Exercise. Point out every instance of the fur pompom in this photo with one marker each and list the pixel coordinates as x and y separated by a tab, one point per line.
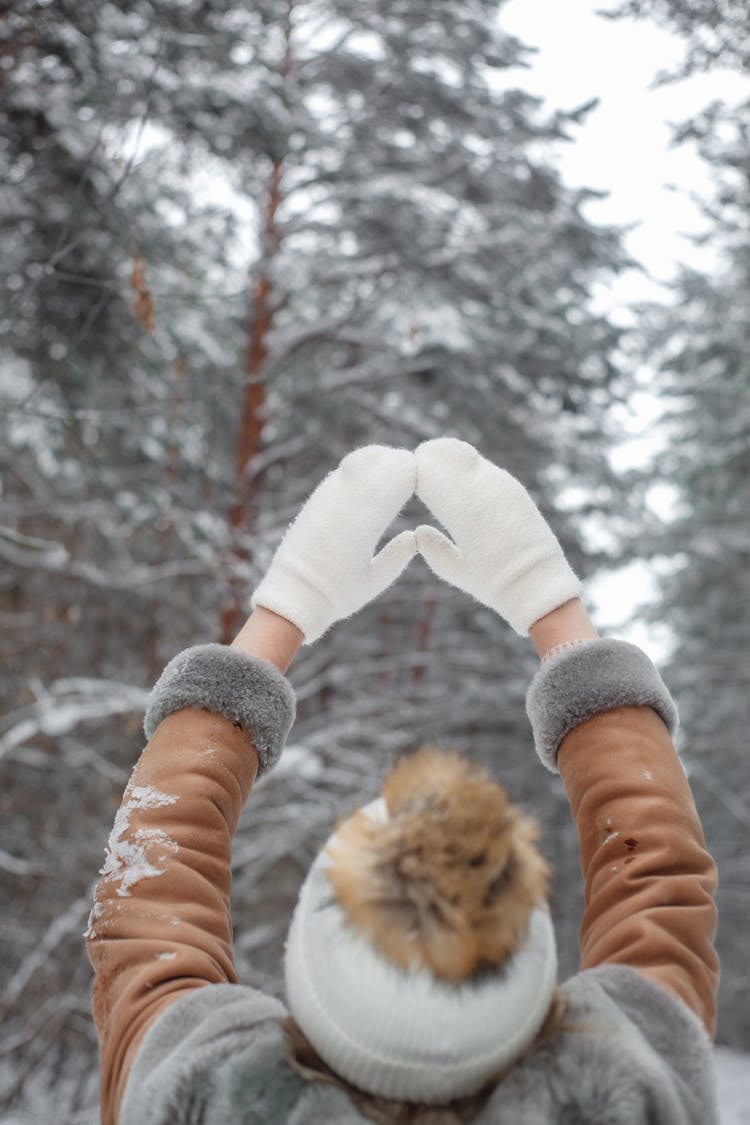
449	882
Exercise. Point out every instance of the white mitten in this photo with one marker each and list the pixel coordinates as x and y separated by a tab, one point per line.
503	552
324	568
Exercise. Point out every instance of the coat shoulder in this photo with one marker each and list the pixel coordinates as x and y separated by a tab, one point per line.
626	1052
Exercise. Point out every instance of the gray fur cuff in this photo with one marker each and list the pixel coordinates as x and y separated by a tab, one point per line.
244	689
583	681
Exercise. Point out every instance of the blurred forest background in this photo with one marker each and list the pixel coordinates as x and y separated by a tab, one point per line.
238	240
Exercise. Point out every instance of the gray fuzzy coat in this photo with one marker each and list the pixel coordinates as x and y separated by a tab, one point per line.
633	1056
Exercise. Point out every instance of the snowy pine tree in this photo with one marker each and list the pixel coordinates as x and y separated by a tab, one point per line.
240	241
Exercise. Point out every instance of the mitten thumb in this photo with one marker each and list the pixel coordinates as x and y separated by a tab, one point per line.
388	563
440	553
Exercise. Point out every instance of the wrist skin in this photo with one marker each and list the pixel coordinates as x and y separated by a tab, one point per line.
269	636
569	622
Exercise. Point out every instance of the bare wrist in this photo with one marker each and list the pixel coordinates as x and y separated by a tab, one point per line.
568	623
269	636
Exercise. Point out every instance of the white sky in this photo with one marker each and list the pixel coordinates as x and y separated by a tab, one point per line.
624	149
624	146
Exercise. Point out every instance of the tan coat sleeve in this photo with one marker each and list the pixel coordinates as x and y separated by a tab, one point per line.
649	881
161	921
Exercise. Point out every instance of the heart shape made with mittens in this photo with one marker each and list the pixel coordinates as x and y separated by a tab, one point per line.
501	551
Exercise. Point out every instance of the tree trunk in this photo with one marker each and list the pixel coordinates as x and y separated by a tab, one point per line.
423	632
243	512
166	527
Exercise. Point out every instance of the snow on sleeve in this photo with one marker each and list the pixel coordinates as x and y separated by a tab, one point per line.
140	855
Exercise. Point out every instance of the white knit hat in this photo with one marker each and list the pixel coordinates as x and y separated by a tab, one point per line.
403	1033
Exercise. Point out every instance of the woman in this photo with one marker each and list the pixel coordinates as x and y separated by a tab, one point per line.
420	963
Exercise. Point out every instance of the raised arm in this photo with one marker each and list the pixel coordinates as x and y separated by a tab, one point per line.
161	924
601	716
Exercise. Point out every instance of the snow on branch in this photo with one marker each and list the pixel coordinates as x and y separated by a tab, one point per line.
63	928
42	554
12	865
66	703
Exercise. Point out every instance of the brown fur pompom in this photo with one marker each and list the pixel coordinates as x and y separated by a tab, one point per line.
450	881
